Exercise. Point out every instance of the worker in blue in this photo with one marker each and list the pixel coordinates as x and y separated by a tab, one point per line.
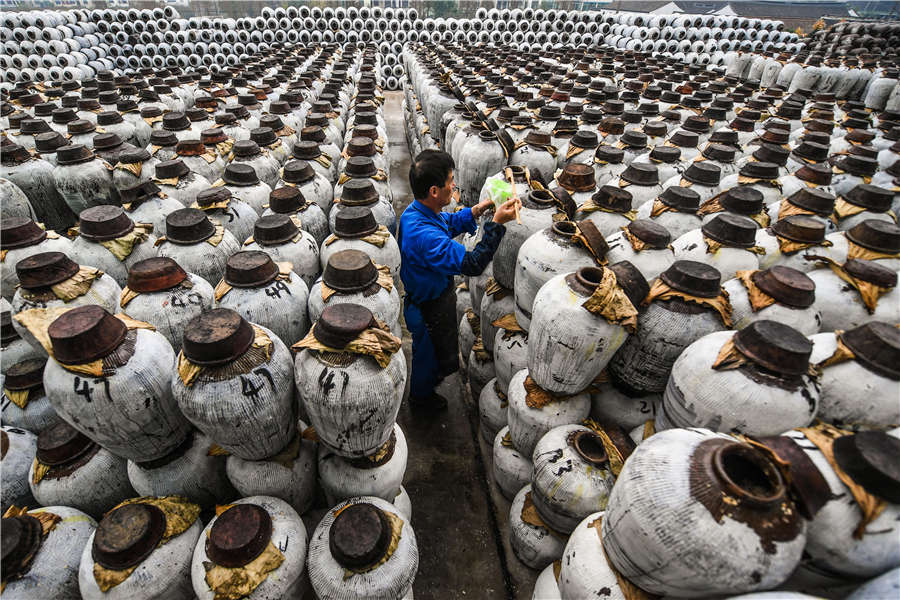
430	259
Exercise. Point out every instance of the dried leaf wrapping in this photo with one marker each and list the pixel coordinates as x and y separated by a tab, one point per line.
869	293
839	171
537	397
385	280
610	302
18	397
474	321
615	456
786	246
396	530
39	470
122	247
531	516
590	206
844	209
495	290
758	298
377	238
823	435
376	341
713	246
660	291
854	250
239	582
659	208
133	168
508	323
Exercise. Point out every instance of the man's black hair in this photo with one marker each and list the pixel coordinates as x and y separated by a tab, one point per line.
431	167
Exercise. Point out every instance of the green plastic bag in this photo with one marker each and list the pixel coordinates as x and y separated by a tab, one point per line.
499	190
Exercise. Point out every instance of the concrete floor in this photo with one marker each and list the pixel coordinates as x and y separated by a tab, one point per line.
460	519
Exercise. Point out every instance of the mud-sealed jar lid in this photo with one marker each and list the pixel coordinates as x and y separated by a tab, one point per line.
877	235
641	174
188	226
213	195
250	269
775	346
246	148
685	139
681	199
307	150
190	148
654	235
61	443
359	536
813	200
349	271
20	232
354	222
45	269
609	154
359	192
800	228
703	173
719	152
217	337
8	333
163	138
240	174
85	334
34	126
870	459
127	535
80	126
286	200
25	375
175	121
875	345
632	282
860	166
49	142
358	167
870	271
731	230
239	535
104	222
263	136
871	197
613	198
155	274
787	286
298	172
213	135
361	146
272	230
169	169
73	154
22	537
743	200
578	177
312	133
692	277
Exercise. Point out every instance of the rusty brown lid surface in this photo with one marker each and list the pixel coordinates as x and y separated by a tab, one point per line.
73	154
360	166
19	232
61	443
788	286
870	459
339	324
731	230
359	536
743	200
692	277
871	272
775	346
800	228
632	282
249	269
875	234
25	375
85	334
641	174
217	337
875	345
358	192
45	269
349	271
104	222
814	200
354	221
128	535
239	535
188	226
240	174
871	197
213	195
307	150
168	169
272	230
703	173
286	200
651	233
21	540
155	274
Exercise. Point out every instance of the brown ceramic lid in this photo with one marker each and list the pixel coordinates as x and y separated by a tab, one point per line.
155	274
875	345
73	154
685	139
263	136
128	535
34	126
632	282
360	167
104	222
239	535
609	154
651	233
359	536
161	138
817	201
339	324
25	375
577	176
85	334
20	232
213	195
788	286
190	148
872	272
286	200
877	235
212	136
49	142
61	443
870	459
692	277
731	230
141	191
613	198
634	139
109	117
249	269
641	174
80	126
872	197
171	168
703	173
300	171
61	116
307	150
312	133
743	200
349	271
175	121
8	333
775	347
240	174
22	537
355	221
360	146
45	269
246	148
681	199
188	226
272	230
217	337
860	166
358	192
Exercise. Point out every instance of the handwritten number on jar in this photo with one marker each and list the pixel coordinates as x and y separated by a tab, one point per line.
83	389
251	389
274	290
192	298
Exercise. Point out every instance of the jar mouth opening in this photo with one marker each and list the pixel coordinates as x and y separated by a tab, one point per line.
589	277
748	475
564	228
590	447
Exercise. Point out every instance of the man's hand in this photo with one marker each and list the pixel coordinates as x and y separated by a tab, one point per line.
482	207
507	211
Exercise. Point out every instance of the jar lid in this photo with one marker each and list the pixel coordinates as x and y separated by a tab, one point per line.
632	282
577	176
870	271
239	535
681	199
109	117
73	154
212	136
697	124
61	116
312	133
871	197
634	139
584	138
250	269
307	150
159	137
359	536
870	459
104	222
141	191
213	195
85	334
788	286
609	154
692	277
190	148
800	228
8	333
860	166
651	233
175	121
354	222
22	537
155	274
272	230
775	346
188	226
685	139
246	148
875	345
240	174
168	169
217	337
819	174
25	375
731	230
640	174
349	271
365	131
358	192
286	200
45	269
127	535
358	167
49	142
743	200
719	152
61	443
20	232
196	114
263	136
814	200
881	236
613	198
339	324
34	126
299	171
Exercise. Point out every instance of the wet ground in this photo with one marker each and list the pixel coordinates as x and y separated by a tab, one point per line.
460	519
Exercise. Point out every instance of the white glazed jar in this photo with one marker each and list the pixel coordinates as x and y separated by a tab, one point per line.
109	240
195	243
511	469
534	545
778	294
25	404
584	569
18	450
492	410
23	238
279	236
643	243
843	307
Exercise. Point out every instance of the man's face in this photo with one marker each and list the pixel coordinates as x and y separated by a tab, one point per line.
445	193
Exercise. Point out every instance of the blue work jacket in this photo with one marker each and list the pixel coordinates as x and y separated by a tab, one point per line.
430	256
